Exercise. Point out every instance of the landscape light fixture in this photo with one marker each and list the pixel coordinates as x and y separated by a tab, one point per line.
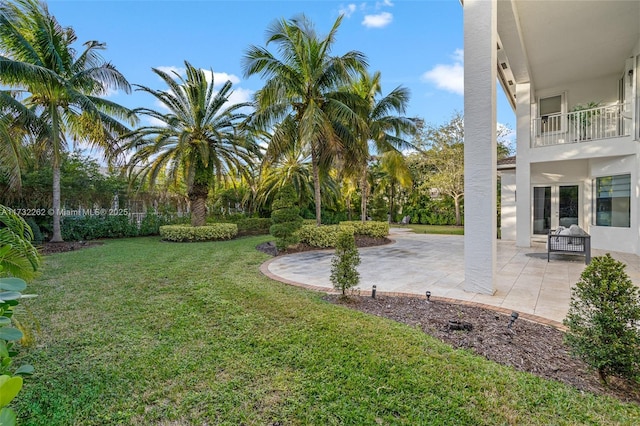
428	294
514	317
373	292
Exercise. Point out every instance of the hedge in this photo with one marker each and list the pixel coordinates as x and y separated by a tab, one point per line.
254	225
187	233
327	235
371	228
322	236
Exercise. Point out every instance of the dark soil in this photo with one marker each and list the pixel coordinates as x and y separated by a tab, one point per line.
526	346
51	248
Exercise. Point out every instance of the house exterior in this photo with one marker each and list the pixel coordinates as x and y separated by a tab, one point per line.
571	71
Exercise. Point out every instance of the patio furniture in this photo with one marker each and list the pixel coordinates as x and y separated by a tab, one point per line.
572	240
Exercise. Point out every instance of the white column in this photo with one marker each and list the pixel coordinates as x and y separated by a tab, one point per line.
523	166
480	227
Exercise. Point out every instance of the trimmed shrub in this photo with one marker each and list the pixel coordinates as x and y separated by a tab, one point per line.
254	225
344	272
604	319
188	233
322	236
370	229
286	218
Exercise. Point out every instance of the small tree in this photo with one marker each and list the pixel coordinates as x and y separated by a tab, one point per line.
286	218
604	320
344	272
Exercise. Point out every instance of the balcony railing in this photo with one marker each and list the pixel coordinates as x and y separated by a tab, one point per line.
581	126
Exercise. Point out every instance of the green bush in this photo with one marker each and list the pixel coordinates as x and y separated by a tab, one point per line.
371	229
90	227
322	236
604	319
188	233
286	218
254	225
38	238
344	272
151	223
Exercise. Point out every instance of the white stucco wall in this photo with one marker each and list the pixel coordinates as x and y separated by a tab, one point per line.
508	205
480	180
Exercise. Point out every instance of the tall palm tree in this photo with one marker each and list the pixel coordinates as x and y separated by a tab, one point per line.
303	87
200	139
385	126
62	87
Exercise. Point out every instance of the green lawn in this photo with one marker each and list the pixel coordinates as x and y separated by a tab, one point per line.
435	229
142	332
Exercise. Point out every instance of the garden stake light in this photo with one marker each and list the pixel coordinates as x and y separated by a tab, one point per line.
514	317
373	292
428	294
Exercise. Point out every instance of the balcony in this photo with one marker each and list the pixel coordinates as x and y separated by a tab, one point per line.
586	125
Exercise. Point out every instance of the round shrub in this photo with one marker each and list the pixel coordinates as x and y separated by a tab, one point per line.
188	233
604	319
372	229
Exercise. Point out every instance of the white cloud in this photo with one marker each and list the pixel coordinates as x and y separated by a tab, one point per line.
380	20
240	95
384	3
449	77
219	78
347	10
108	92
152	121
171	70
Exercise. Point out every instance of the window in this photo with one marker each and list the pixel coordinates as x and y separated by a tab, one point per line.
613	201
550	110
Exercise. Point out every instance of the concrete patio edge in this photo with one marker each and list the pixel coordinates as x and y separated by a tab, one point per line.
264	269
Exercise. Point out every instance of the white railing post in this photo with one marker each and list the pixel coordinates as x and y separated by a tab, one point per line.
579	126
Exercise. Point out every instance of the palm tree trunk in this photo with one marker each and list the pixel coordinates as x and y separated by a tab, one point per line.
55	130
391	202
456	202
198	203
316	187
364	189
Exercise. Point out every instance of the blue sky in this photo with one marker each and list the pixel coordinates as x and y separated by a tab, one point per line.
414	43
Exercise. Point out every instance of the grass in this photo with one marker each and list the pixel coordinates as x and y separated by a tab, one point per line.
142	332
436	229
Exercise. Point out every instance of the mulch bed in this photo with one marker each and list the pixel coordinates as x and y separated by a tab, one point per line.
63	247
526	346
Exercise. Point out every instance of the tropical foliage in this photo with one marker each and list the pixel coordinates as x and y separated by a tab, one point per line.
63	88
18	257
301	98
200	139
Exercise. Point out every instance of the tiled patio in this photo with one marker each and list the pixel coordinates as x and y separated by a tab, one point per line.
416	263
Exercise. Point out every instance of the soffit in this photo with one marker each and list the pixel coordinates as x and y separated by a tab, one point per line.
576	40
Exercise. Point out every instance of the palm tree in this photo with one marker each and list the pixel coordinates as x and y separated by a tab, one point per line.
62	88
385	126
303	87
198	139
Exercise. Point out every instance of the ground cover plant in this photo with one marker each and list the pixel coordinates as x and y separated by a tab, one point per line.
141	332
